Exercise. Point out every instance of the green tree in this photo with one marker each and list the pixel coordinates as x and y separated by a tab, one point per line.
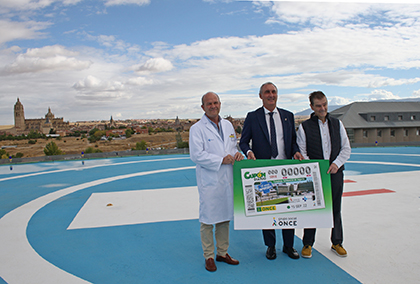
93	130
4	154
90	150
140	145
18	155
52	149
179	142
96	136
129	132
34	135
238	129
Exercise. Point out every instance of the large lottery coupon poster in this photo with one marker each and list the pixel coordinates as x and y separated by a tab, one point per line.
279	194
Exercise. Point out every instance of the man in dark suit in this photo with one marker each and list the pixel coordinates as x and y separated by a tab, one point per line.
269	133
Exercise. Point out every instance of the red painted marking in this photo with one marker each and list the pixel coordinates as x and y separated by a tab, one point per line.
348	181
366	192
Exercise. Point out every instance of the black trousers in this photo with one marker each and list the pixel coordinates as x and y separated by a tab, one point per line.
270	237
337	183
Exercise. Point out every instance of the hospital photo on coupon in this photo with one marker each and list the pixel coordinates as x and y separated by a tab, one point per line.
278	189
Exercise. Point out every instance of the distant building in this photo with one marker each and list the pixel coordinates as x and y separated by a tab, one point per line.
42	125
382	123
111	123
140	130
118	132
235	122
180	125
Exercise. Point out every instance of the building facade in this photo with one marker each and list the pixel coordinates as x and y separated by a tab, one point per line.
381	123
42	125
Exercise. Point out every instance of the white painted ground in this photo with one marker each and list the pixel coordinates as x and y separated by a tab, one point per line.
381	231
137	207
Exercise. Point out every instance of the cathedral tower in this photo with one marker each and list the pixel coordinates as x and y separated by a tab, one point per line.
19	116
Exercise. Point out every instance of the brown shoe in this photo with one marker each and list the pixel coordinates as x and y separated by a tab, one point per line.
210	265
227	259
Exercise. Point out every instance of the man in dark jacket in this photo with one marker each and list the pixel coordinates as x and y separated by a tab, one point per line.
269	133
324	137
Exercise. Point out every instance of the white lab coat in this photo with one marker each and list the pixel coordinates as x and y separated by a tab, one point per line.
214	180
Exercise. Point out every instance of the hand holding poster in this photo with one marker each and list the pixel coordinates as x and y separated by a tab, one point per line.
278	194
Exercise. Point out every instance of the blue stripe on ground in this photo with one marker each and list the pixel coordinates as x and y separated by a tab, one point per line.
159	252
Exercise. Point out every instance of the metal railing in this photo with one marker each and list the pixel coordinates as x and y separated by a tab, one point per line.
113	154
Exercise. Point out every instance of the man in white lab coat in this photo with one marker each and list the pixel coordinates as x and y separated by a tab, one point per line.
213	148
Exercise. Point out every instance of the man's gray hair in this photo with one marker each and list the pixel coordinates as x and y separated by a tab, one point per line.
202	98
265	84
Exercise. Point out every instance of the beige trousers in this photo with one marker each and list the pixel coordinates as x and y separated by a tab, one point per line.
222	239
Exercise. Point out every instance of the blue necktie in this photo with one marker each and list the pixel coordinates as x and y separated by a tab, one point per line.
273	137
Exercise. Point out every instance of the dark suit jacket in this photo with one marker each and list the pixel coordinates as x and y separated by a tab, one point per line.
256	130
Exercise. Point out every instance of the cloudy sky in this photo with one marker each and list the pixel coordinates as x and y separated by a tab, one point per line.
93	59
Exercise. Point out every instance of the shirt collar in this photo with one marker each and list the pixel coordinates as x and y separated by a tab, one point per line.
266	111
314	117
208	119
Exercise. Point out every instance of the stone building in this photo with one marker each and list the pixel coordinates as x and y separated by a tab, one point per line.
42	125
381	123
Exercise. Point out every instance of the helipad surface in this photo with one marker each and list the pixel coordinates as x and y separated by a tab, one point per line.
134	220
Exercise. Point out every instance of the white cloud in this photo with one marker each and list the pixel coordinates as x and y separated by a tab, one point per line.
308	55
26	4
338	101
318	14
91	83
48	51
156	65
126	2
382	82
327	14
40	4
11	30
139	81
112	42
170	80
33	4
106	40
416	94
292	97
382	95
307	51
46	59
88	82
356	78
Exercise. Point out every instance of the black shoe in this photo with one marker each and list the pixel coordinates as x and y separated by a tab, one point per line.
291	252
271	253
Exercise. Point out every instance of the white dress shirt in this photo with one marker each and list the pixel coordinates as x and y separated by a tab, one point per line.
345	151
279	132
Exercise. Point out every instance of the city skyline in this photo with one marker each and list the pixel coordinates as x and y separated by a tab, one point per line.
303	113
149	59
